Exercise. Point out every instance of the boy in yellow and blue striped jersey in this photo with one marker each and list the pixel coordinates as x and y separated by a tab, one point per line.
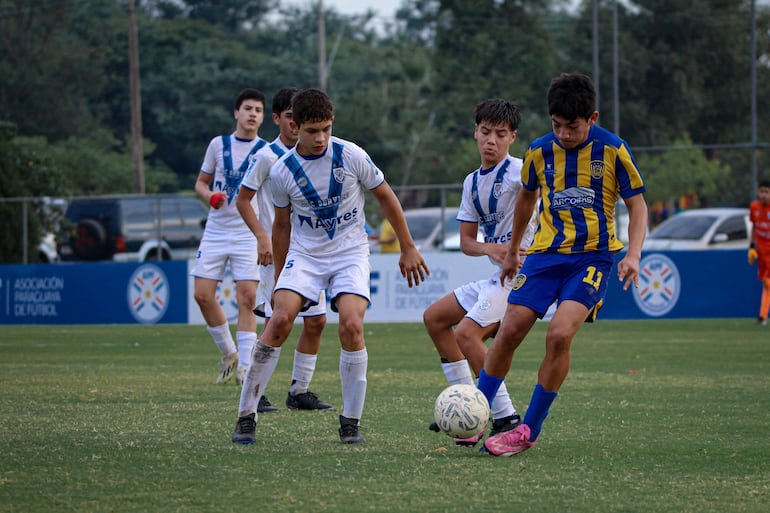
579	170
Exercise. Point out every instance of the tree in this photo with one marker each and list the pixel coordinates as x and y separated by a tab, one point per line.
26	174
671	174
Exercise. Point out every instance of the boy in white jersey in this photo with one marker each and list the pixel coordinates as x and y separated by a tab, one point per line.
462	320
320	242
226	237
256	182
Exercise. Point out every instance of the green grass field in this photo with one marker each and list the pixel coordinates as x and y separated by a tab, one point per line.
655	416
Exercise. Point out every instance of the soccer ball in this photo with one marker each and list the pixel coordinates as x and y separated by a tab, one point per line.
461	411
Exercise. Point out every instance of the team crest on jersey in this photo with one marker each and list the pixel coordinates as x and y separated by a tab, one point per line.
597	168
497	190
339	174
519	281
302	182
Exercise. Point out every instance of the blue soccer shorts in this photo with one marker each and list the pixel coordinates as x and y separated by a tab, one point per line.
548	277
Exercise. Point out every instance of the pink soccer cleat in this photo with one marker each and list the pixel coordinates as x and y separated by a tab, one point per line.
470	441
509	443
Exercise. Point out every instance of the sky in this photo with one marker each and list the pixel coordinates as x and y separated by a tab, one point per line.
383	8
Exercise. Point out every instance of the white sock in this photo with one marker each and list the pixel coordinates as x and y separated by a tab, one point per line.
353	377
302	372
501	404
458	373
246	341
263	363
222	338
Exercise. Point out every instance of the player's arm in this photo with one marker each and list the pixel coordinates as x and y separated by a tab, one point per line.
470	245
752	255
203	190
245	208
281	237
411	262
522	213
628	267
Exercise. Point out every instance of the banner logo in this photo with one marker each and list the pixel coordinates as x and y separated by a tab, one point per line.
659	285
148	294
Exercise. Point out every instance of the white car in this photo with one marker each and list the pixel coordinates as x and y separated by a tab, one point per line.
430	233
702	228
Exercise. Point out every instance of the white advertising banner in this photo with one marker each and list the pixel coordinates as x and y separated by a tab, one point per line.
392	299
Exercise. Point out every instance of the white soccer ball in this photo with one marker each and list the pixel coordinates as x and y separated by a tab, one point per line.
461	411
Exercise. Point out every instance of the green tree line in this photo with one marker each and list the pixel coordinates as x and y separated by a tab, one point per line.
404	87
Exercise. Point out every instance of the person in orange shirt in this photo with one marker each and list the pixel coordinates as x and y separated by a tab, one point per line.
759	249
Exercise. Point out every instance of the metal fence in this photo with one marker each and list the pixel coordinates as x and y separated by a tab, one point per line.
47	213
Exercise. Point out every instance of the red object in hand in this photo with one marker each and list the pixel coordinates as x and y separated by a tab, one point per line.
217	199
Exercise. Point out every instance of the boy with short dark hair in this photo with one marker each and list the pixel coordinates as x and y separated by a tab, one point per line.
579	171
226	238
460	322
320	242
260	221
759	248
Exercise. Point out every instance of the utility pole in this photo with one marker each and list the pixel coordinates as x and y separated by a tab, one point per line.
321	47
595	33
615	72
136	100
754	147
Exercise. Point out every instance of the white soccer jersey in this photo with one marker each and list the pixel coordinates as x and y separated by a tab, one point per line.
257	179
488	198
326	195
227	166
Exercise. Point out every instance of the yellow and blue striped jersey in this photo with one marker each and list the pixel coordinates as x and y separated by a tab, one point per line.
578	189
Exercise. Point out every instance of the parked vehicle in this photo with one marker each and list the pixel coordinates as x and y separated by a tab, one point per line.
431	233
702	228
132	228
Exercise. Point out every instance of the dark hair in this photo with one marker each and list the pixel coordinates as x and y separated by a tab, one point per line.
499	112
764	183
572	96
249	94
311	105
282	99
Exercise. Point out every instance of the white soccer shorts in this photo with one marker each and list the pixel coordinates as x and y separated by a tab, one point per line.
308	276
265	289
213	255
484	301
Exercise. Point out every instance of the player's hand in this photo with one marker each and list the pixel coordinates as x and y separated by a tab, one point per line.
264	251
217	199
752	256
510	268
628	271
413	266
497	252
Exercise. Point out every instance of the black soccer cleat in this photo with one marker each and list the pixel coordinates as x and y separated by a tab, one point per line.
349	431
505	424
264	406
306	401
245	430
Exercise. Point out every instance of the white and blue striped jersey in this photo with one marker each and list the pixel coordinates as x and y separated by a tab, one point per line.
488	198
326	195
257	179
227	158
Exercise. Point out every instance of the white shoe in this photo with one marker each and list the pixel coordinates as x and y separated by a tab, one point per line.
226	367
241	375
